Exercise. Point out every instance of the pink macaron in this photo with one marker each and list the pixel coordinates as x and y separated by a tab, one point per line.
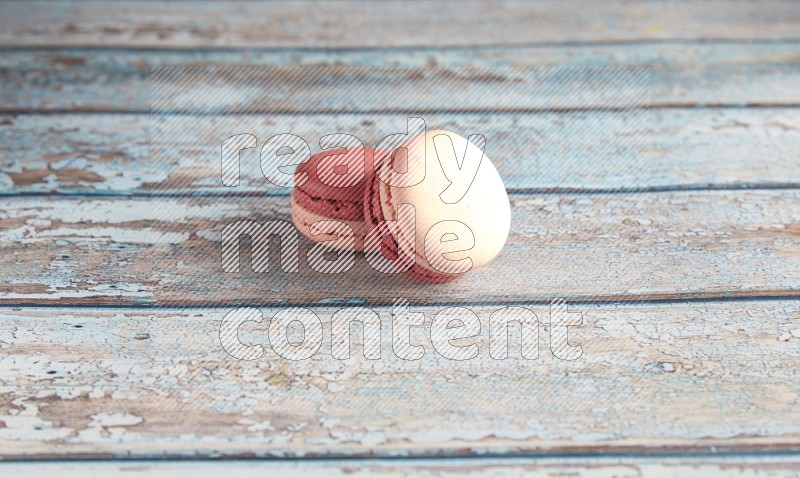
331	188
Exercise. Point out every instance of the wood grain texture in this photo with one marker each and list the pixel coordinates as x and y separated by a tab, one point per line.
680	73
589	247
712	467
699	377
691	299
669	148
390	24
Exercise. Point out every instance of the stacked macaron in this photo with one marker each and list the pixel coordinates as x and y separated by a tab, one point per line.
332	190
407	210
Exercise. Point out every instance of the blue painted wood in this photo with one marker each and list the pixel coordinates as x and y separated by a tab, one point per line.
107	383
693	74
112	392
396	23
585	247
662	149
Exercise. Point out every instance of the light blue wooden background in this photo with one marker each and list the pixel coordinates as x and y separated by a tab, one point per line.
689	286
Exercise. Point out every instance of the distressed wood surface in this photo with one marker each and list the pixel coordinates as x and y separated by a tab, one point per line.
591	247
709	365
680	73
711	467
669	378
670	148
389	24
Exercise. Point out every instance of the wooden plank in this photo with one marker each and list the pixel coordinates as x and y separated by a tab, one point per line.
669	148
722	467
352	89
680	74
581	246
714	377
390	24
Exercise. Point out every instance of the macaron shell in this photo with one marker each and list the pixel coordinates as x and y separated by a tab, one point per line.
335	175
484	209
332	188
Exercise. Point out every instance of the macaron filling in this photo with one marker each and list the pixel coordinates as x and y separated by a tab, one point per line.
333	208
